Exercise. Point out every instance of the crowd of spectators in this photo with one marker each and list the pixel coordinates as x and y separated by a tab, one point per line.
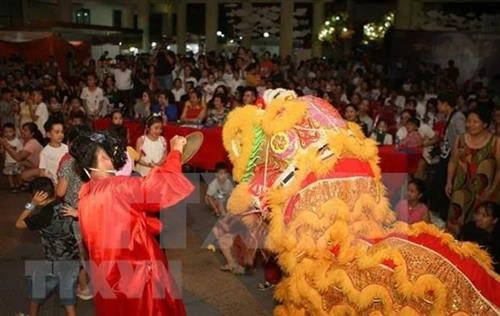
454	121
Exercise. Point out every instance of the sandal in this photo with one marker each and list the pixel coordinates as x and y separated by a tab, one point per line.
239	270
225	268
264	286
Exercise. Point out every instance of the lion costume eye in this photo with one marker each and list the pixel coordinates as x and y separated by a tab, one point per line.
239	138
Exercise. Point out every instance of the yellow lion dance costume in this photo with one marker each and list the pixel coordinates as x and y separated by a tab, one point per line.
313	180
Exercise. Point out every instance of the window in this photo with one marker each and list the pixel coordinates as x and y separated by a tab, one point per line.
117	18
136	21
82	16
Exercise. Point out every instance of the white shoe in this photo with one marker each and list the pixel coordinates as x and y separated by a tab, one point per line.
84	295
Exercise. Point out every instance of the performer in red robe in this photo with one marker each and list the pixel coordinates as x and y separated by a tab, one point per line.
128	270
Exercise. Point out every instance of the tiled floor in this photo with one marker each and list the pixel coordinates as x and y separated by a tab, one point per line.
206	290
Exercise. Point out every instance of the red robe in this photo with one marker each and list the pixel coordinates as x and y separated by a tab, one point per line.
128	270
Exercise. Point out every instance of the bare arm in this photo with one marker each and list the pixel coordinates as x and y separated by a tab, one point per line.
138	147
61	187
17	155
20	223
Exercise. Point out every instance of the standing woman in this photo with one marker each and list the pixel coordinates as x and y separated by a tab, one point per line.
473	170
130	271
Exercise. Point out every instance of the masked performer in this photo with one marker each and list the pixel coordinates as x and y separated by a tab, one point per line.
128	270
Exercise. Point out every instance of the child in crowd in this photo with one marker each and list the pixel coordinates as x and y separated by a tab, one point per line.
68	187
485	230
52	154
120	132
116	117
60	269
41	112
380	134
413	209
166	107
219	190
12	169
152	146
413	138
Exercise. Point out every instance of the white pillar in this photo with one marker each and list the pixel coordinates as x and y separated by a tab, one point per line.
211	24
181	26
143	22
318	20
247	35
66	11
286	28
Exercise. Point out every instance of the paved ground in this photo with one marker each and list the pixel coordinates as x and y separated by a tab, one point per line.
206	290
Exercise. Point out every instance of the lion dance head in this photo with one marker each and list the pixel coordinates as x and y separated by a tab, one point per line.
313	180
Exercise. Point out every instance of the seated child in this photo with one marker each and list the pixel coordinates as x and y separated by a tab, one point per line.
485	230
380	134
413	209
219	190
60	269
413	139
12	169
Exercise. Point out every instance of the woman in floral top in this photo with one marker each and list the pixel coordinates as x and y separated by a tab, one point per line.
473	170
217	115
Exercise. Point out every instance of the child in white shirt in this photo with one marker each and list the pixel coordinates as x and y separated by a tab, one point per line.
51	155
12	169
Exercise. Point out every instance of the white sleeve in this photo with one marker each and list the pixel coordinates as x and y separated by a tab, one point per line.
212	188
83	95
43	163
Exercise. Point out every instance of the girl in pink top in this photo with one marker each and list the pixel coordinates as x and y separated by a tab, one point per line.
413	209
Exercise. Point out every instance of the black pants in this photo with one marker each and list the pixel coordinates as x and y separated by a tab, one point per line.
125	97
439	201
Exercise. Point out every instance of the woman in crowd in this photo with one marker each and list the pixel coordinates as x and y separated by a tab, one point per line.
194	110
29	156
473	170
351	115
142	108
217	115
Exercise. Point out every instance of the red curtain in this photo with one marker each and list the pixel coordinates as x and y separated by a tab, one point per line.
38	51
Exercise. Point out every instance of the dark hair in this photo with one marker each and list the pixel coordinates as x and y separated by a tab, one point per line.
114	112
448	97
491	208
153	119
118	132
421	188
352	106
35	132
222	97
75	131
9	125
412	113
250	89
221	166
433	101
78	115
43	184
84	151
414	120
197	92
483	114
49	125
